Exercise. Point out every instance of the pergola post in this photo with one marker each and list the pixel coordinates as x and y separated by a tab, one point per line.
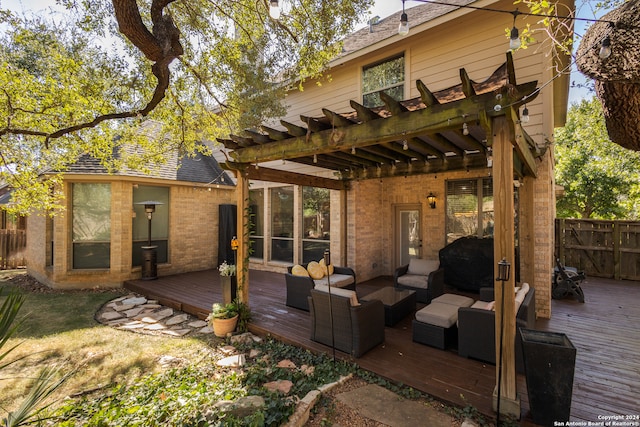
504	247
242	262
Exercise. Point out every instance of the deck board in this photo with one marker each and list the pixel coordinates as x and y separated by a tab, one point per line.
603	329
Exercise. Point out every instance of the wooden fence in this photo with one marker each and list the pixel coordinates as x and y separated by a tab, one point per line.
600	248
13	244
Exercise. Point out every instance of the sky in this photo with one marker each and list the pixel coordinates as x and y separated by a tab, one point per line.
381	8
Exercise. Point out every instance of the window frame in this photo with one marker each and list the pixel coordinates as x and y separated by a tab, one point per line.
399	84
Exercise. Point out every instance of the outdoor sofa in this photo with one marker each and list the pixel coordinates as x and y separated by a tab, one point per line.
423	276
351	326
299	287
477	332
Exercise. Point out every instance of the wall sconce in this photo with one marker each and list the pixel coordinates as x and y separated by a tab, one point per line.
431	199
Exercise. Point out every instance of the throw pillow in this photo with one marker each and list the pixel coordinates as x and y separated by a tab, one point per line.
327	271
315	270
298	270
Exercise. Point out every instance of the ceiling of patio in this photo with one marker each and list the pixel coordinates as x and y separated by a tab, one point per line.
415	136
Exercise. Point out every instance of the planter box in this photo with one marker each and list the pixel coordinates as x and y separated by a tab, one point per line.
549	363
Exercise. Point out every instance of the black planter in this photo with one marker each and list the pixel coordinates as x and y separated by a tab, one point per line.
549	364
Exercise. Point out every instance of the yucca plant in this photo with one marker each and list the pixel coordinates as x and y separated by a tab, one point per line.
48	380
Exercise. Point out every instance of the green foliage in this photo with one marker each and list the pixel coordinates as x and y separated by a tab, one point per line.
187	396
49	379
76	85
601	179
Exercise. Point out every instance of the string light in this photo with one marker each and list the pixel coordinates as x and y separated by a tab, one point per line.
315	158
405	145
605	48
403	27
274	9
353	150
514	40
465	129
525	115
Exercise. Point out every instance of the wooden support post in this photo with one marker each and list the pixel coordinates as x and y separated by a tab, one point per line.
242	263
504	247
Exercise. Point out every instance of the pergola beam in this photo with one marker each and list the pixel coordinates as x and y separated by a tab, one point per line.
402	126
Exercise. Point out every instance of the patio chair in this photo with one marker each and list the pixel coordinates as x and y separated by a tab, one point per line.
299	287
423	276
566	282
356	328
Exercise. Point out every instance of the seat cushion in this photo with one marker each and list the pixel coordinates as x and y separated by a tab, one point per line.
414	280
484	305
452	299
337	280
422	266
347	293
438	314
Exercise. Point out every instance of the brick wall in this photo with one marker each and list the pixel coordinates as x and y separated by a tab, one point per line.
193	238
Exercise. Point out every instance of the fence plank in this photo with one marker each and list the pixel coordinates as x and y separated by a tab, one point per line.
13	244
600	248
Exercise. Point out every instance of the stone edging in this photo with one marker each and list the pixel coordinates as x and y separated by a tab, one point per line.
303	409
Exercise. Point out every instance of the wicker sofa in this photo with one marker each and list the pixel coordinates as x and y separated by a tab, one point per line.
299	287
477	331
423	276
357	327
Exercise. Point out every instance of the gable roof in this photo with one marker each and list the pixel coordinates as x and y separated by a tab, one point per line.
387	28
200	169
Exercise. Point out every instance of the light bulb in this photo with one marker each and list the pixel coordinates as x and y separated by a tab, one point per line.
274	9
605	48
405	145
353	150
315	158
497	108
514	41
403	27
465	129
525	115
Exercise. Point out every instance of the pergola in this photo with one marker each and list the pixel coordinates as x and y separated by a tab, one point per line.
470	125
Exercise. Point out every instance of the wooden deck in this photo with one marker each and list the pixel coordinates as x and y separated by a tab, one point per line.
604	330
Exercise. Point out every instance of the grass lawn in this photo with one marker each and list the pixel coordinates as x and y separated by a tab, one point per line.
60	329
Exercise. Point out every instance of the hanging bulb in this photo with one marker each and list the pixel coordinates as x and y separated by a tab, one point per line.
315	158
525	115
353	150
403	27
465	129
274	9
605	48
257	167
514	40
405	145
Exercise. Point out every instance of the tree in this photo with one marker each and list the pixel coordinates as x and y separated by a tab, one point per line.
85	81
600	178
617	76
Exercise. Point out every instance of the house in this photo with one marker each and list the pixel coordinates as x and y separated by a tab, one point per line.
372	190
415	141
97	240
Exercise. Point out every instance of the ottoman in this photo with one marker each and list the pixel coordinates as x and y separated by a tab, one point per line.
435	324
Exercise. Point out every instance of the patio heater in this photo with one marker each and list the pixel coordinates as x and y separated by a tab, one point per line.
149	252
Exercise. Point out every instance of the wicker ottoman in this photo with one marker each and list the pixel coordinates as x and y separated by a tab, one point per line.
435	324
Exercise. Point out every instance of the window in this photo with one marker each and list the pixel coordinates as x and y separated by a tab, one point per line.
465	199
159	223
316	222
282	224
387	76
91	225
256	223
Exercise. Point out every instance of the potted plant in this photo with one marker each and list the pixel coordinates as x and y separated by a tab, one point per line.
223	318
227	273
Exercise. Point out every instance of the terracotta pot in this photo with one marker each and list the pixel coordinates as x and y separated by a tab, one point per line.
222	327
